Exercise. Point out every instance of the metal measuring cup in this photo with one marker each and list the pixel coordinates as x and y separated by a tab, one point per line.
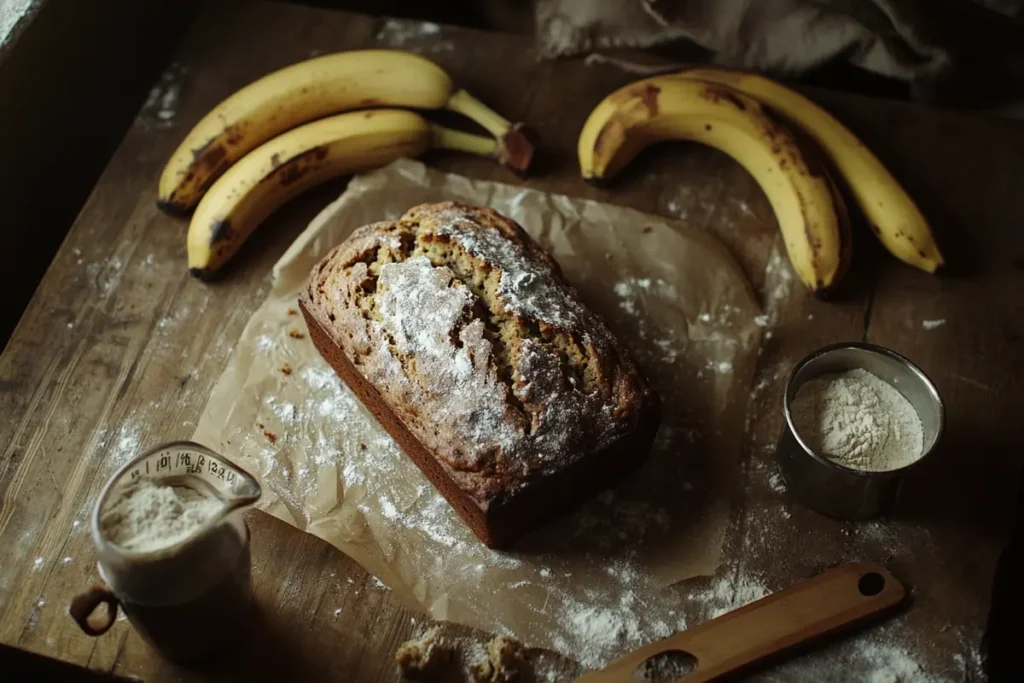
186	599
831	488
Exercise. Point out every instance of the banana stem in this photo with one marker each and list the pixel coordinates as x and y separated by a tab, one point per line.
515	141
467	105
463	142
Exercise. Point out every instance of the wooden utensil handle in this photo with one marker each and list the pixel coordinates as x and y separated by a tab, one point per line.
837	598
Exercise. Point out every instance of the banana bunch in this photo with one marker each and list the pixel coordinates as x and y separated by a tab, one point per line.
727	110
306	123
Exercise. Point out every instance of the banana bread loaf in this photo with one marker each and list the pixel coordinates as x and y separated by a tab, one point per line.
461	335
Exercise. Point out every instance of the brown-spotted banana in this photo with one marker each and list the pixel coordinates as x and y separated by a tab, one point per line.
794	179
312	89
891	213
270	175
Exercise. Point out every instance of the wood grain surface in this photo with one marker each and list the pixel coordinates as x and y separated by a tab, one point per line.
120	348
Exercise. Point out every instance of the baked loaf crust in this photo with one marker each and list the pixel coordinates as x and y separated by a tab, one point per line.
461	335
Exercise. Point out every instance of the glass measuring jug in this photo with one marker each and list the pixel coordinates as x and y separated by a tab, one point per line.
187	599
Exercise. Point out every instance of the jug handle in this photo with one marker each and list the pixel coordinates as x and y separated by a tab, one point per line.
86	602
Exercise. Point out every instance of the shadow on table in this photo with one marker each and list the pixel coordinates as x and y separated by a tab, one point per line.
273	648
955	492
966	484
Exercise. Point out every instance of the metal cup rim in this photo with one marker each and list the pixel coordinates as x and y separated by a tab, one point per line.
870	348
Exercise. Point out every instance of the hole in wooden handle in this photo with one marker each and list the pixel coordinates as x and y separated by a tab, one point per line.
665	667
870	584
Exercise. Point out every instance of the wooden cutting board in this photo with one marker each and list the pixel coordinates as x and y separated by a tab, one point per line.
120	348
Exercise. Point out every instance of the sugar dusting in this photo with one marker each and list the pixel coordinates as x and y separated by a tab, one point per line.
427	351
419	306
526	285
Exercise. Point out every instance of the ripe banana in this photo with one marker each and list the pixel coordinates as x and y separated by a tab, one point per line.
793	178
309	90
262	180
890	211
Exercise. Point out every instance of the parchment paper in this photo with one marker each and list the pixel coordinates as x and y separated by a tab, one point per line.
592	585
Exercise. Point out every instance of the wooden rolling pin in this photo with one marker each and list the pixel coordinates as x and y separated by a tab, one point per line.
838	598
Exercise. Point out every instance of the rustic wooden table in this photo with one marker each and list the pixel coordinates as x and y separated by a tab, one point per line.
120	348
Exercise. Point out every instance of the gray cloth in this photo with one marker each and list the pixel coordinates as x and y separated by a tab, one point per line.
948	50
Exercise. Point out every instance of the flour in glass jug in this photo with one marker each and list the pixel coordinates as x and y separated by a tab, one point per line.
147	516
194	597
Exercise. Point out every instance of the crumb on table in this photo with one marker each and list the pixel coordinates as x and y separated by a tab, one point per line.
646	229
286	369
505	659
424	657
292	311
296	334
267	433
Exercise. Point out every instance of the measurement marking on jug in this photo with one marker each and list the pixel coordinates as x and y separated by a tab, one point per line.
188	463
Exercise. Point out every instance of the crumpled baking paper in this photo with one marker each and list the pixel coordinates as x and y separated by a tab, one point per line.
594	584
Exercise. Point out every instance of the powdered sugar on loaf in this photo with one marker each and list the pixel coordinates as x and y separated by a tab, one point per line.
473	338
526	285
420	306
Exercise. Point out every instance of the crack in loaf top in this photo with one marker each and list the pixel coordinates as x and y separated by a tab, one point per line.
475	340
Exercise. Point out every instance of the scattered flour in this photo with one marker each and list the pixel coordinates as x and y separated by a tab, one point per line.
169	103
778	283
730	590
714	330
128	444
162	102
932	324
880	654
265	343
597	628
604	629
743	207
858	420
417	36
12	12
283	411
145	516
